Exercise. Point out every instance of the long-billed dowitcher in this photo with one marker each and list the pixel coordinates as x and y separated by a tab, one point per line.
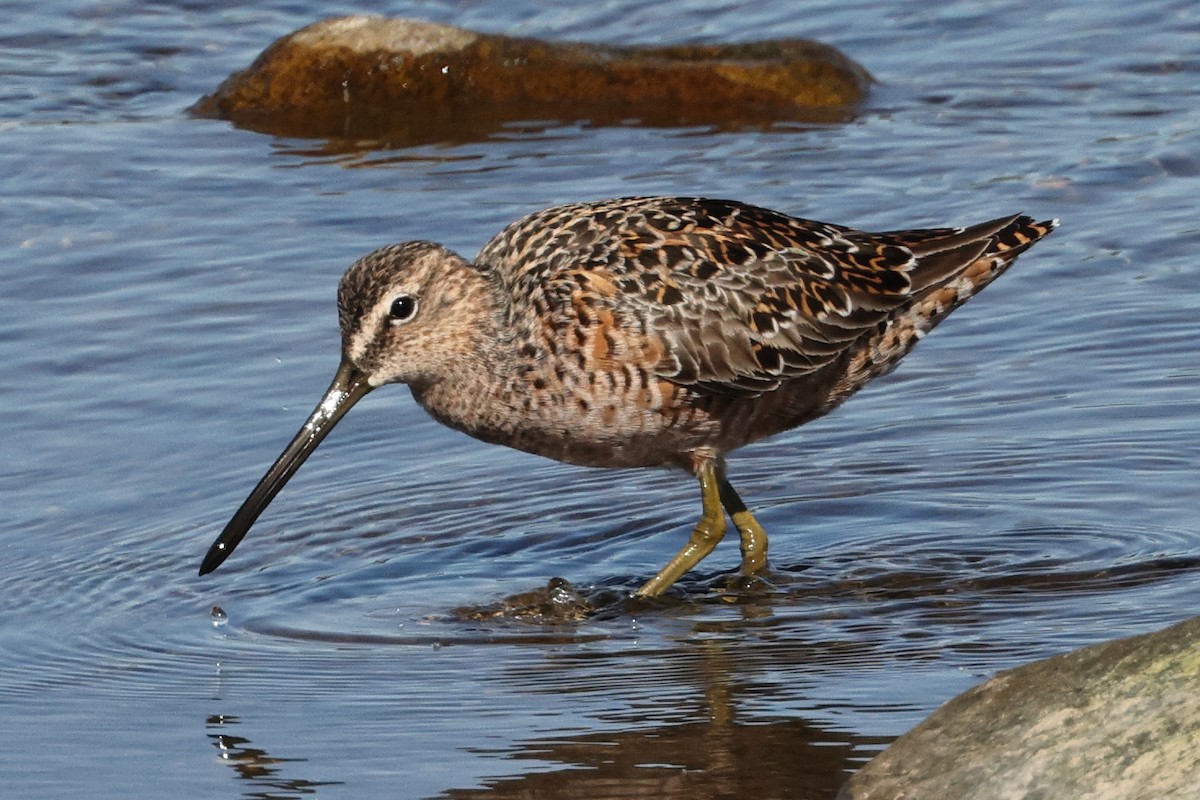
644	332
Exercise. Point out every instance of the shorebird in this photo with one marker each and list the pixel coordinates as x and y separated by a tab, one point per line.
644	332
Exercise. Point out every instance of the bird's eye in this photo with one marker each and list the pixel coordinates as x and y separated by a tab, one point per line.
403	308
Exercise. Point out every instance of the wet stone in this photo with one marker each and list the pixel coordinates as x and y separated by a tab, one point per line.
558	601
1113	721
410	81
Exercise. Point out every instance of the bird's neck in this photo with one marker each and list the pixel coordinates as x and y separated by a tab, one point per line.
474	391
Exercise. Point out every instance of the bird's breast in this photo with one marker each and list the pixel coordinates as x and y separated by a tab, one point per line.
571	411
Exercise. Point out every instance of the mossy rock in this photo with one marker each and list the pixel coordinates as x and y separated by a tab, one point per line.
370	76
1115	721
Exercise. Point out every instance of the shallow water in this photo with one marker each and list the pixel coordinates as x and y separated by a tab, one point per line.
1022	485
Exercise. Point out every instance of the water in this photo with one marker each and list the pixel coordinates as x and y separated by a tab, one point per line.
1022	485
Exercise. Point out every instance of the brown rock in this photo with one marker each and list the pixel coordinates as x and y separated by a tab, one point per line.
1117	721
369	76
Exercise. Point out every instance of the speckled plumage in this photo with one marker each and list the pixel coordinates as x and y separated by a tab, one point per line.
652	331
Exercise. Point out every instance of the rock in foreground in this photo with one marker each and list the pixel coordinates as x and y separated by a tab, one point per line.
370	76
1116	721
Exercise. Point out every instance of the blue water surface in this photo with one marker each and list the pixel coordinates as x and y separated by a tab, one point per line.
1024	484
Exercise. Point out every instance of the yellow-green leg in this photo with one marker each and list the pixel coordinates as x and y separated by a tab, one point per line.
754	538
708	531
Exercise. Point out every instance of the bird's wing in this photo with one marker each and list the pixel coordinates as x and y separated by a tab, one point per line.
740	298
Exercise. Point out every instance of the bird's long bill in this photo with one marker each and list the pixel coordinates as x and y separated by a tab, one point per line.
348	387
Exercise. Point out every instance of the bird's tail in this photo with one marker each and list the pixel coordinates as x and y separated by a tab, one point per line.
953	265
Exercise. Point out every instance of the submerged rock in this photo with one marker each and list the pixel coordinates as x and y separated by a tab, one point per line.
1117	720
371	76
557	602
